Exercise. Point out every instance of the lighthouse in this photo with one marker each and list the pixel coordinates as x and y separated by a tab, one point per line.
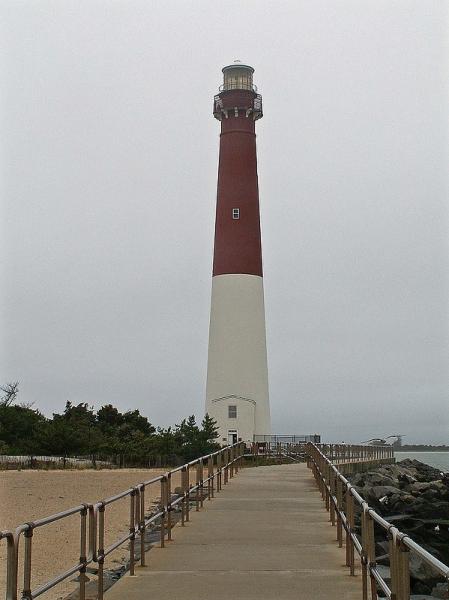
237	372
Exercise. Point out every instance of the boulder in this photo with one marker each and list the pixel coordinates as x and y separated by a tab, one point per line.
390	470
440	591
406	478
440	487
430	494
358	479
415	498
372	478
420	470
419	486
421	571
380	491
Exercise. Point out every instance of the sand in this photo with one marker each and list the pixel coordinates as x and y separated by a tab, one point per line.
27	495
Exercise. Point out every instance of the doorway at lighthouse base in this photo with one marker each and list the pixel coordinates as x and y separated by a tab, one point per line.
235	417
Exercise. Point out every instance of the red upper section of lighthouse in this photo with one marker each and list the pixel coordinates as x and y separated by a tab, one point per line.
237	226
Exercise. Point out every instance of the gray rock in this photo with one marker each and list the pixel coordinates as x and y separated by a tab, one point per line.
420	470
407	478
420	487
358	479
397	501
440	591
430	494
420	570
379	491
440	487
373	479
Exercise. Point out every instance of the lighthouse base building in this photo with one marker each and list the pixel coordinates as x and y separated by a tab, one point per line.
237	373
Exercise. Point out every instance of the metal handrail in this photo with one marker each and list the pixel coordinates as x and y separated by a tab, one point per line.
341	499
221	466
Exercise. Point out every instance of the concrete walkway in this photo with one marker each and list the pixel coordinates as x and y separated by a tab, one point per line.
265	536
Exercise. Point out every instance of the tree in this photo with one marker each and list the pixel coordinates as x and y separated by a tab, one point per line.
209	429
197	442
19	425
10	392
167	441
137	422
59	438
79	430
108	417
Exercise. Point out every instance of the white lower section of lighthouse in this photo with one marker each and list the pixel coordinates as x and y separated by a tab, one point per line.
237	373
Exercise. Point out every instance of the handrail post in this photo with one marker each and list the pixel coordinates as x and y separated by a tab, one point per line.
197	483
100	581
164	509
364	553
226	466
83	553
371	553
132	530
218	465
184	488
169	506
12	566
188	493
349	529
210	477
201	469
368	557
332	495
142	526
400	568
26	593
339	511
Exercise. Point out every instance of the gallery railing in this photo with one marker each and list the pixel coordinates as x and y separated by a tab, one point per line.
345	506
200	479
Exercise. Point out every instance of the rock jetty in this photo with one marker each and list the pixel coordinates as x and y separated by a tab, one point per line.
415	497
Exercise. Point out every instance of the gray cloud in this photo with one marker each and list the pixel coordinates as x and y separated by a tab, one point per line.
109	162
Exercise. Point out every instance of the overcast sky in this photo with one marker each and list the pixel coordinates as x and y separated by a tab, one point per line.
108	179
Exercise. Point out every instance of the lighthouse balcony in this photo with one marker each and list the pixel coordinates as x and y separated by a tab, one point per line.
237	103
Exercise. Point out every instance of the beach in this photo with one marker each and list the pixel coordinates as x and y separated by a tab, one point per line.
31	494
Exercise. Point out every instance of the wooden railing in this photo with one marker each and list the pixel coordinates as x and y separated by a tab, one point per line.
356	521
200	479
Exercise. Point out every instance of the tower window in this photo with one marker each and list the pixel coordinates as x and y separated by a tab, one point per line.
232	412
236	213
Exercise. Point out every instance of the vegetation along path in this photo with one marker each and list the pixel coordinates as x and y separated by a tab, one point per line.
264	536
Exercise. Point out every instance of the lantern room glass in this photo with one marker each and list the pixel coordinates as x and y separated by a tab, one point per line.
238	78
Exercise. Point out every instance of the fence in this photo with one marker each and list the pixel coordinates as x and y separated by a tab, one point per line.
288	439
94	461
346	506
352	453
219	467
